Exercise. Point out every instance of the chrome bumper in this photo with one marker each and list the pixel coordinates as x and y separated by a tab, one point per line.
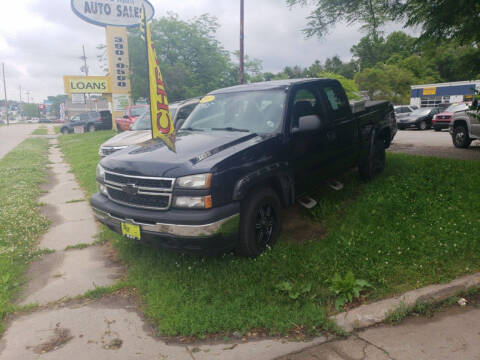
226	227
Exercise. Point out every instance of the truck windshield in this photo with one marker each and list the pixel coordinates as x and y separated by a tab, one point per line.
144	122
252	111
138	111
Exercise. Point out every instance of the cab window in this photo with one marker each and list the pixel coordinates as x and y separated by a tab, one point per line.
336	101
305	103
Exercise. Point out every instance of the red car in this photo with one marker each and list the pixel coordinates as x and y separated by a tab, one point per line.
131	115
442	120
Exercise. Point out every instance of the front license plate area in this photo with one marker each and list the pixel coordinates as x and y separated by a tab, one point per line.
131	231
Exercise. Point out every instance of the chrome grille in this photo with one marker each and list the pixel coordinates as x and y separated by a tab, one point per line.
151	193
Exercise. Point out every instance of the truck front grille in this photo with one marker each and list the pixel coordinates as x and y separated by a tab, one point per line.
140	192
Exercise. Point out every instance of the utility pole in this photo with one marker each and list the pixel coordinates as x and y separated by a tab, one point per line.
85	68
241	79
21	105
28	97
5	89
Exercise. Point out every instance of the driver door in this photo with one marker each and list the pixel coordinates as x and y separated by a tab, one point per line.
309	150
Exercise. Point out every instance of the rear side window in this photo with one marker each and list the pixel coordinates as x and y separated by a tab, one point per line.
83	116
336	100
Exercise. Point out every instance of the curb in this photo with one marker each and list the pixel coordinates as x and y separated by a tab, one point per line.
371	314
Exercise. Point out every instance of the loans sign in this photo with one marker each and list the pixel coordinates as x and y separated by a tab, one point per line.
87	84
112	12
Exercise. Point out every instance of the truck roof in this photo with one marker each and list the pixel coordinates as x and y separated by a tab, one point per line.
265	85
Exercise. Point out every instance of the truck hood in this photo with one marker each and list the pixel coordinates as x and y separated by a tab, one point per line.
128	138
192	150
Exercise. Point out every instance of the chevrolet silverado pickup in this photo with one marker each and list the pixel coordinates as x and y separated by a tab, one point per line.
237	162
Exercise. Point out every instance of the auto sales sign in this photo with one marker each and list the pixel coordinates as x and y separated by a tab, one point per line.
112	12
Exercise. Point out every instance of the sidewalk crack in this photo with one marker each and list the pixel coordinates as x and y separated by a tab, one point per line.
374	345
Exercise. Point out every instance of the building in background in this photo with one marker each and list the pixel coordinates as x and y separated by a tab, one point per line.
95	104
431	95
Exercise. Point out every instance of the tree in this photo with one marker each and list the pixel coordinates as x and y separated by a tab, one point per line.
440	19
56	101
370	14
349	85
31	110
192	61
386	82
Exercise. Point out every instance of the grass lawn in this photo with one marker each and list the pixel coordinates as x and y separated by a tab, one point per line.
415	225
57	129
42	130
21	225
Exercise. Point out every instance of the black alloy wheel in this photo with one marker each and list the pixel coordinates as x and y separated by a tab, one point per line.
260	222
265	224
460	137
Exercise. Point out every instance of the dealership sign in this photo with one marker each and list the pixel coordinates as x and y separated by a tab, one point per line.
112	12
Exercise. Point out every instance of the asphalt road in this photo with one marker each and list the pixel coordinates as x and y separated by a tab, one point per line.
11	136
431	143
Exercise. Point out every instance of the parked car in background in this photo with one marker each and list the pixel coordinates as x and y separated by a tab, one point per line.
404	109
141	130
130	115
442	120
420	119
237	162
90	121
465	126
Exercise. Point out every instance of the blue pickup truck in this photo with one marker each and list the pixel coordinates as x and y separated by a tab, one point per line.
238	160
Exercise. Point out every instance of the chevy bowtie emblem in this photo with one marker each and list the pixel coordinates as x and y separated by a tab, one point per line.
130	189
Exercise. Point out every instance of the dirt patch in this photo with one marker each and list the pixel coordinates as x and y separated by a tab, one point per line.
59	339
298	228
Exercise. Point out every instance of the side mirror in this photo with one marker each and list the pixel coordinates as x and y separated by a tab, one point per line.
126	117
308	123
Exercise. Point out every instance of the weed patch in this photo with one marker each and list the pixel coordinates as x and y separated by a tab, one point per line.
21	173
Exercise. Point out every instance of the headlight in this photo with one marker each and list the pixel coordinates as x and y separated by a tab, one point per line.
102	189
100	173
201	181
196	202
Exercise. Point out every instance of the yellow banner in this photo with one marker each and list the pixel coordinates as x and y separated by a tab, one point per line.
430	91
87	84
162	124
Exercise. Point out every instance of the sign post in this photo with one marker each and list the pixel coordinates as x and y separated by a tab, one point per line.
116	16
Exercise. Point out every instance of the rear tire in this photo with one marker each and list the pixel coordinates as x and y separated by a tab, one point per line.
375	162
423	125
260	222
90	128
460	137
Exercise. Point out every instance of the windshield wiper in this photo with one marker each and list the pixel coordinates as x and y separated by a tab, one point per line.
230	129
191	129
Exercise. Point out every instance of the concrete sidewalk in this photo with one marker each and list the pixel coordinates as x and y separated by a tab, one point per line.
450	335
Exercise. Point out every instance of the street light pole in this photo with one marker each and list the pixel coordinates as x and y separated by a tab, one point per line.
5	89
242	47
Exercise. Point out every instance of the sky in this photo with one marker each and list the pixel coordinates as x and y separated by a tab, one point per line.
41	40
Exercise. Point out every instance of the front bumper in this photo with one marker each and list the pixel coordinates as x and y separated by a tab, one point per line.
441	125
210	230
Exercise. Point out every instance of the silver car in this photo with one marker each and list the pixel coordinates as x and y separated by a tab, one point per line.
141	130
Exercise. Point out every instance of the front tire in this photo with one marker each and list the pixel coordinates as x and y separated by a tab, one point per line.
260	222
375	162
437	129
65	131
460	137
